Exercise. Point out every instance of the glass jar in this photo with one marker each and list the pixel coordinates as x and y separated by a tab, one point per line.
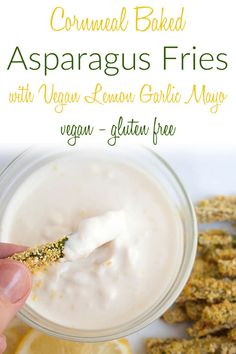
32	159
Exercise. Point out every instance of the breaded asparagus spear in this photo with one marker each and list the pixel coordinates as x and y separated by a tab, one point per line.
204	268
220	208
210	290
232	334
214	318
194	309
207	345
176	314
40	257
214	238
215	254
227	268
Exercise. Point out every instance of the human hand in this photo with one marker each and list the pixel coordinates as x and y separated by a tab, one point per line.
15	286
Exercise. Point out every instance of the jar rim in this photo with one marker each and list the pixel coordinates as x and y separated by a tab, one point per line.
30	317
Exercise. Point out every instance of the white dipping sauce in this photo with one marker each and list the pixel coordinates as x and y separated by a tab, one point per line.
97	287
93	233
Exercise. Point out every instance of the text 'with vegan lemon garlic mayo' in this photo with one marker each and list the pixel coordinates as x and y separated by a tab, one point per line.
126	243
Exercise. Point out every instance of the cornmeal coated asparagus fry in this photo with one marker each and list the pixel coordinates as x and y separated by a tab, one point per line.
209	297
204	268
232	334
210	290
194	309
226	254
227	268
207	345
214	318
176	314
214	238
214	255
220	208
218	253
40	257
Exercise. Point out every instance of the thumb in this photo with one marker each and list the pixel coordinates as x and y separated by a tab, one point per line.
15	285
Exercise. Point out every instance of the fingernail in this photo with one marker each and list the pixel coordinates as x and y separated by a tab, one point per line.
14	281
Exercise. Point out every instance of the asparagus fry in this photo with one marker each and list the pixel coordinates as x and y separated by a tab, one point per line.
40	257
227	268
226	254
209	297
232	334
210	290
219	208
214	238
194	309
207	345
176	314
204	268
223	254
214	318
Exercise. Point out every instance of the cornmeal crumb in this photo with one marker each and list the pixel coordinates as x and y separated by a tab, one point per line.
40	257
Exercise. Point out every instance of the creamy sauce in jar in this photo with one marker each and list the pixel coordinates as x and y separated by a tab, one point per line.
129	246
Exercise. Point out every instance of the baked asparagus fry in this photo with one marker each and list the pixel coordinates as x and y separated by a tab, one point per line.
194	309
220	208
227	268
207	345
204	268
209	289
40	257
214	238
215	254
214	318
176	314
232	334
209	297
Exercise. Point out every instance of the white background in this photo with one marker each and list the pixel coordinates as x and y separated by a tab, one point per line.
210	27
